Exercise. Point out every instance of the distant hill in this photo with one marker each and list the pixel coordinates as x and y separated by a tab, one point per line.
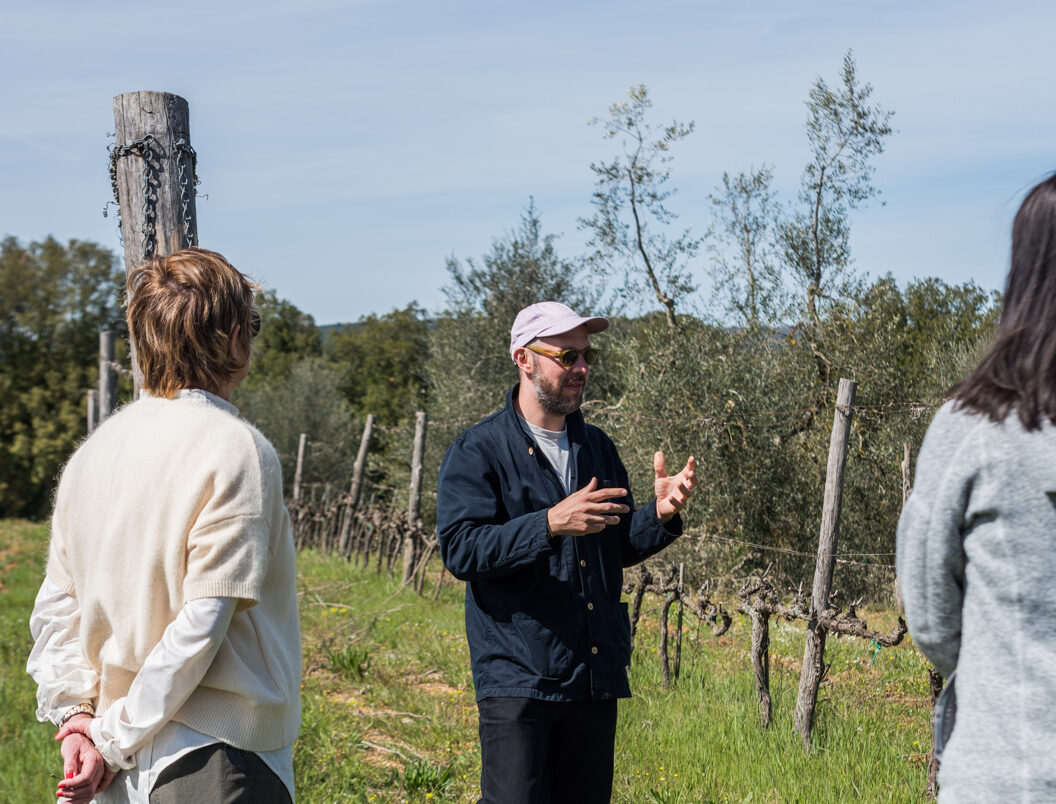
326	330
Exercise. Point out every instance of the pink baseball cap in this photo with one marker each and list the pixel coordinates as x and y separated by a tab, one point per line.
550	318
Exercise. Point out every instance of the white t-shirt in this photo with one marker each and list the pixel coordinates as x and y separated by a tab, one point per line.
555	447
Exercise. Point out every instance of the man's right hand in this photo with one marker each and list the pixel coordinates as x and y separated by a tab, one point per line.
586	511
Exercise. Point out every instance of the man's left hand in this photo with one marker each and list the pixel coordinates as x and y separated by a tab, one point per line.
672	493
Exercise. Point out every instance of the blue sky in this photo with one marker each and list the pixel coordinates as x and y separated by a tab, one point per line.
347	148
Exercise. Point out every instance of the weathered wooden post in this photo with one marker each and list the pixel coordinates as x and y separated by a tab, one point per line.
298	473
665	611
907	488
153	174
359	467
814	650
107	376
356	488
907	482
414	503
93	410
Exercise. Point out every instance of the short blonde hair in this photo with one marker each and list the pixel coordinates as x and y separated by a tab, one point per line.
181	311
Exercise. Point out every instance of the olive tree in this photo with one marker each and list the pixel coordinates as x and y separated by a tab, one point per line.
630	213
845	131
746	269
469	367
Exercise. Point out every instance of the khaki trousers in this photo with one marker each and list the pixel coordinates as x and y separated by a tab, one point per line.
219	774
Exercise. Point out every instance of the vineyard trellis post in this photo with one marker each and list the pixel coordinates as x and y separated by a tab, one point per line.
93	409
356	487
153	175
414	502
298	472
665	610
907	489
814	649
107	399
359	467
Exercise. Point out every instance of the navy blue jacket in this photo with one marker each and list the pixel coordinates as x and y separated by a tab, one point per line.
543	616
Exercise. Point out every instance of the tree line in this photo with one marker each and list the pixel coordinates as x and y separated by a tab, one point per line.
743	377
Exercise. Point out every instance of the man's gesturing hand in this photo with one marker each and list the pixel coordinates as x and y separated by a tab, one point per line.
586	511
672	493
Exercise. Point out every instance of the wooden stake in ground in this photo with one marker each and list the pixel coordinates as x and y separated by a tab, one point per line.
298	473
93	410
153	172
665	609
814	650
107	399
356	487
414	503
361	461
907	489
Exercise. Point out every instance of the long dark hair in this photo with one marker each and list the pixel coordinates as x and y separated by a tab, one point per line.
1019	372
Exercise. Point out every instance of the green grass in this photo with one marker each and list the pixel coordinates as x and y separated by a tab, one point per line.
28	754
351	661
389	713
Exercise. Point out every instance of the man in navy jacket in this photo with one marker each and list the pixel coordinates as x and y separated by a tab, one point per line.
535	515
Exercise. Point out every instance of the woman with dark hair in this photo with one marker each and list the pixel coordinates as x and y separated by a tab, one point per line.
976	547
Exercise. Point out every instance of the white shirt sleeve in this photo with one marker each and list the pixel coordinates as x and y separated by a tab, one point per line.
170	673
56	662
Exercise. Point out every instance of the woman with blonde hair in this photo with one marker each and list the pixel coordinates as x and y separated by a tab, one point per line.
165	631
975	541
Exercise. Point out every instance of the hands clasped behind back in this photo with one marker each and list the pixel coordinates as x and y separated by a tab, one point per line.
588	510
84	770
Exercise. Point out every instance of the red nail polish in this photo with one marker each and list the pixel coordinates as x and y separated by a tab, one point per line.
69	774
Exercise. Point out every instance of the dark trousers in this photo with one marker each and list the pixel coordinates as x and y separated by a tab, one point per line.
544	752
219	774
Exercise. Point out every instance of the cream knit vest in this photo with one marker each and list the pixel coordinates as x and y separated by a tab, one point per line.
168	501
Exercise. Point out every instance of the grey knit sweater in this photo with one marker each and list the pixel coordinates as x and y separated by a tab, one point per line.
977	566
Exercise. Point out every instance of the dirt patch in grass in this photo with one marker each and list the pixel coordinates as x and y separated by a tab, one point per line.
381	751
436	688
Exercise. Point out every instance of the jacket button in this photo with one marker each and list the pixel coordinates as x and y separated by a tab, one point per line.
531	450
590	607
582	563
594	650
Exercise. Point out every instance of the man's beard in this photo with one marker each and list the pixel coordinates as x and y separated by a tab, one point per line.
553	397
